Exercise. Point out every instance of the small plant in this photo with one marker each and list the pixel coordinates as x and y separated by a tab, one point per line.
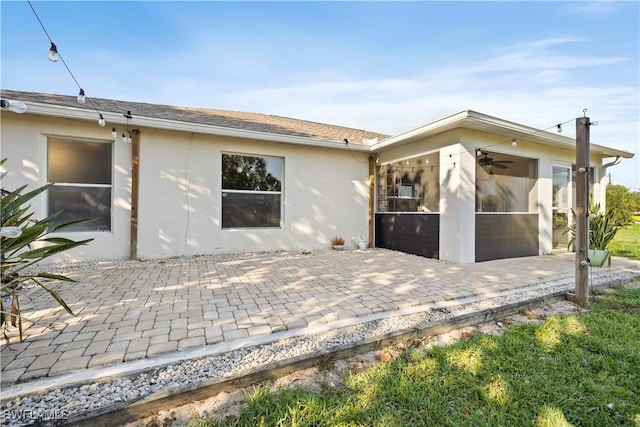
602	227
337	241
19	252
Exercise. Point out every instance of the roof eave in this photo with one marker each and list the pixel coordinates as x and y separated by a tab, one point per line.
180	126
470	119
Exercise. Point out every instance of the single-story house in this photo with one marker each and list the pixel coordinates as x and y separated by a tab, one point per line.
168	181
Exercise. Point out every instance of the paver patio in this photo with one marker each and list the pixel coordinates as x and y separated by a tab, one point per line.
160	306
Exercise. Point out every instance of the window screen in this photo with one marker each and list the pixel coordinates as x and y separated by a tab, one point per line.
81	174
251	191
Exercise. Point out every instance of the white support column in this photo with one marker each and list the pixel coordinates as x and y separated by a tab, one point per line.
457	204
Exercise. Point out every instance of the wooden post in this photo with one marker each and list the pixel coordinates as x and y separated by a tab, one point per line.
581	294
372	195
135	182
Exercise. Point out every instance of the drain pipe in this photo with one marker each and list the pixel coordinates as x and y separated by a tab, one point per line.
604	171
608	165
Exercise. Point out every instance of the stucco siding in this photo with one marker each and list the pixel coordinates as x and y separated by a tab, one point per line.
324	193
24	144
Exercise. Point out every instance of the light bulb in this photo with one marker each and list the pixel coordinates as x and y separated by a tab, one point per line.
124	138
559	128
114	134
10	232
81	97
514	143
53	53
101	121
15	106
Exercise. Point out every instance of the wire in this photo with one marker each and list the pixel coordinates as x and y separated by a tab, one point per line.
506	141
62	58
527	134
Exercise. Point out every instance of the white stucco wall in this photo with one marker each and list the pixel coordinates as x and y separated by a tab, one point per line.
23	141
325	191
457	204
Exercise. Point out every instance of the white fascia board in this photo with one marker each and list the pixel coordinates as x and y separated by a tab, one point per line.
473	120
421	132
175	125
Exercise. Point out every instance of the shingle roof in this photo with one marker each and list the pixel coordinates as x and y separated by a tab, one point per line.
206	116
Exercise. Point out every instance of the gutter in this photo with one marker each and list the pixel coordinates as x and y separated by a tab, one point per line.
469	119
465	119
140	121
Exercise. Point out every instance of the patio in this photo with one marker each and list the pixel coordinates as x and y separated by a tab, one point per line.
136	311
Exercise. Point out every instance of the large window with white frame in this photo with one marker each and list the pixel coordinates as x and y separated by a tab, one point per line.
81	172
251	191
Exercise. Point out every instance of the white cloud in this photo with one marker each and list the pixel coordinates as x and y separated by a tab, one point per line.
534	84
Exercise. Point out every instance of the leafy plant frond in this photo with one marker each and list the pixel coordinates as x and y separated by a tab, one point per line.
74	222
602	227
32	246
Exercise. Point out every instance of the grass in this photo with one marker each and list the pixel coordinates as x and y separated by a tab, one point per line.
568	370
627	242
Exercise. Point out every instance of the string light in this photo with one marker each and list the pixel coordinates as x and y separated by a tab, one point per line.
53	52
559	127
82	98
514	143
15	106
54	55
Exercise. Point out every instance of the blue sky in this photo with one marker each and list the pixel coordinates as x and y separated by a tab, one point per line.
382	66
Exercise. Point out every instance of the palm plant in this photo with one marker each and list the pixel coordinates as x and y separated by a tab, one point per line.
28	248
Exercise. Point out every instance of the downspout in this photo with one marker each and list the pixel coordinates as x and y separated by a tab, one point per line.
135	184
604	173
608	165
372	185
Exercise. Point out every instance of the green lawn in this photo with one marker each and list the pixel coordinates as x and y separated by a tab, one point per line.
581	370
627	242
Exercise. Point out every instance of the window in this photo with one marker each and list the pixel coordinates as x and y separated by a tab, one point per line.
506	183
81	174
251	191
411	185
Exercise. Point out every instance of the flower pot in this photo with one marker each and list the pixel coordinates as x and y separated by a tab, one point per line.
338	247
597	257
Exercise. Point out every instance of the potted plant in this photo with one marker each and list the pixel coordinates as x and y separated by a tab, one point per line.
602	230
337	242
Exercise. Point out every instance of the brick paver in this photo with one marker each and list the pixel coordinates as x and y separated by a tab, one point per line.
161	306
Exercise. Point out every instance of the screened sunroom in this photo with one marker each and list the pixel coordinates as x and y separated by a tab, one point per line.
408	205
506	206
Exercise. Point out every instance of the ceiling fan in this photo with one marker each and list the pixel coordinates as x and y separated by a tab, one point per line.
487	161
